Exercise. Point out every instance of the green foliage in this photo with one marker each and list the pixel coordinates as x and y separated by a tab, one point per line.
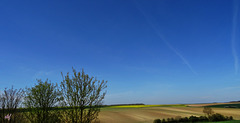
164	121
84	95
193	119
185	119
203	118
218	117
39	100
157	121
79	100
10	100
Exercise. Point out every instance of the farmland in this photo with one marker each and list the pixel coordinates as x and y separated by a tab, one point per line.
147	113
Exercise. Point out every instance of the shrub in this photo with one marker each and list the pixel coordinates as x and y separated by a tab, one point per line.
229	118
168	120
192	119
173	120
164	121
185	119
157	121
203	118
217	117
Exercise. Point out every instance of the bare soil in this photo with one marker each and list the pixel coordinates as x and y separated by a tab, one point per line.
148	114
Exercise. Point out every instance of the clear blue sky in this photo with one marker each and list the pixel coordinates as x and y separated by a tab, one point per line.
153	52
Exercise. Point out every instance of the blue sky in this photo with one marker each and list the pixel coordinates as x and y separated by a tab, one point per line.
153	52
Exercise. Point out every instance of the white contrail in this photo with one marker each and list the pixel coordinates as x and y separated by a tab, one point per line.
234	29
159	34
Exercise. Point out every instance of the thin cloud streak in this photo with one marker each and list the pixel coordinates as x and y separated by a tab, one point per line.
159	34
233	40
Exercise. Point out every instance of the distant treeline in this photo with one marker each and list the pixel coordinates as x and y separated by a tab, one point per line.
225	106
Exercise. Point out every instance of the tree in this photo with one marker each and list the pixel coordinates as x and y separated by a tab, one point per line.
208	111
84	96
40	99
10	100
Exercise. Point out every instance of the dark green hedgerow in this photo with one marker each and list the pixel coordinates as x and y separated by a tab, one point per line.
193	119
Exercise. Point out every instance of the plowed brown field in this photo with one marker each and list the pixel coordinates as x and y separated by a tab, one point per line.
148	114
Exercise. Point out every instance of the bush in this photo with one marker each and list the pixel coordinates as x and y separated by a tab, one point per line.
173	120
229	118
168	120
217	117
185	119
203	118
192	119
157	121
164	121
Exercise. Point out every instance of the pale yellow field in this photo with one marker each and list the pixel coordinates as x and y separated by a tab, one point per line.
148	114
